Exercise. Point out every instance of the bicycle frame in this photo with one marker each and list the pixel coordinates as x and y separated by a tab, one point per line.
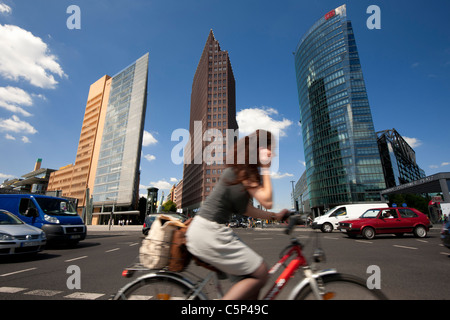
298	261
289	271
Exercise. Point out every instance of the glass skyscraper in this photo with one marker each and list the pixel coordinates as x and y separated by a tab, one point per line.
342	160
109	149
117	175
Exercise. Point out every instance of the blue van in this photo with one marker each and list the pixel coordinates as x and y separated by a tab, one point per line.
57	217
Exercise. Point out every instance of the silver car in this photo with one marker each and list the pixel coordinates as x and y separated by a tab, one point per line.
16	237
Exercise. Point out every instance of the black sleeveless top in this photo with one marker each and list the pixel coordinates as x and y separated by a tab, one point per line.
225	200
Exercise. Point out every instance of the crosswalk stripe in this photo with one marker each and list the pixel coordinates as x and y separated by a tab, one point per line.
11	289
43	293
84	295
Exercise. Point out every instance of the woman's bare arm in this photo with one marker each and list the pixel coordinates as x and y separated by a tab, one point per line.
262	193
261	214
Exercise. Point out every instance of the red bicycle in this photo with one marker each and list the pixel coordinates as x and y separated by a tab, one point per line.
316	284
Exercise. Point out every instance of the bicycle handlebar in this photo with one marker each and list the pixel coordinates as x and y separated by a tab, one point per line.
294	219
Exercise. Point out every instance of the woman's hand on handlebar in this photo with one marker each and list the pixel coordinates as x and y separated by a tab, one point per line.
281	215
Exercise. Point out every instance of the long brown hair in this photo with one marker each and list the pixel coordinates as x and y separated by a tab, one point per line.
246	156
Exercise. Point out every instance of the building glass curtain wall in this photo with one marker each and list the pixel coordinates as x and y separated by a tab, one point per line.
398	158
117	176
342	160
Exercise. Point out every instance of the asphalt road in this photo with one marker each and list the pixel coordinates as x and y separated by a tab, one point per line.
411	268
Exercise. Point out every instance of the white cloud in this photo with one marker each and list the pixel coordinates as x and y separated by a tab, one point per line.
9	137
161	185
435	166
278	175
14	124
5	8
148	139
25	139
252	119
25	56
413	142
6	176
11	98
149	157
173	180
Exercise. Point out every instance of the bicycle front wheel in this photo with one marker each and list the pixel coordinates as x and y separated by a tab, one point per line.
342	287
156	287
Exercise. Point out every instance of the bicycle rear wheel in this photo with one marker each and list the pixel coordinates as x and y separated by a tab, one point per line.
156	287
342	287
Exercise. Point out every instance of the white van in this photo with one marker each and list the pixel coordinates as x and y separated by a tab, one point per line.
331	219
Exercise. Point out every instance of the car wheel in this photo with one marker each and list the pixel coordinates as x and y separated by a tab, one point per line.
420	232
368	233
327	228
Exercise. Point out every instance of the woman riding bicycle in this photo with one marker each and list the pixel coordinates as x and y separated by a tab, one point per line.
208	237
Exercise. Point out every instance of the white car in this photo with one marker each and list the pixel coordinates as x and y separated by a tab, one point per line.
17	237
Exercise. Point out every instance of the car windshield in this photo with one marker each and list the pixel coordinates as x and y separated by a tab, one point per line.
56	207
7	218
372	213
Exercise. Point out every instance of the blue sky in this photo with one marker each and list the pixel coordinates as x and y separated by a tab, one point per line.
45	79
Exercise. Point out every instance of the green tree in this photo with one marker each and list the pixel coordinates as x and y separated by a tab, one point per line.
169	206
412	200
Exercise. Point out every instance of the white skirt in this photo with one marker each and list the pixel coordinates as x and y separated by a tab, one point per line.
217	245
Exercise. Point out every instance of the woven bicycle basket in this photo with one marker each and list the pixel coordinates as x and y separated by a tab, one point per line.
165	245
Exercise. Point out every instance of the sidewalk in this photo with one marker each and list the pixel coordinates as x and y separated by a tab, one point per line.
131	228
115	228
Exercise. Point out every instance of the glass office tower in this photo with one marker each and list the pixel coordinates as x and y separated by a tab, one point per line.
342	159
117	176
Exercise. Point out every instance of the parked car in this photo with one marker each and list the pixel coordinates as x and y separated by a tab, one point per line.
238	223
388	220
445	235
151	217
17	237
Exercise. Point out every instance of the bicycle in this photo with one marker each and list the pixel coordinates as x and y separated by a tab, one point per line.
316	284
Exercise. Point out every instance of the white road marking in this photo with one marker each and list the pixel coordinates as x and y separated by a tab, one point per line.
43	293
115	249
11	289
404	247
84	295
75	259
16	272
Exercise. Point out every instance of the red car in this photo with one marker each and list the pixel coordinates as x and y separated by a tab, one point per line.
387	220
